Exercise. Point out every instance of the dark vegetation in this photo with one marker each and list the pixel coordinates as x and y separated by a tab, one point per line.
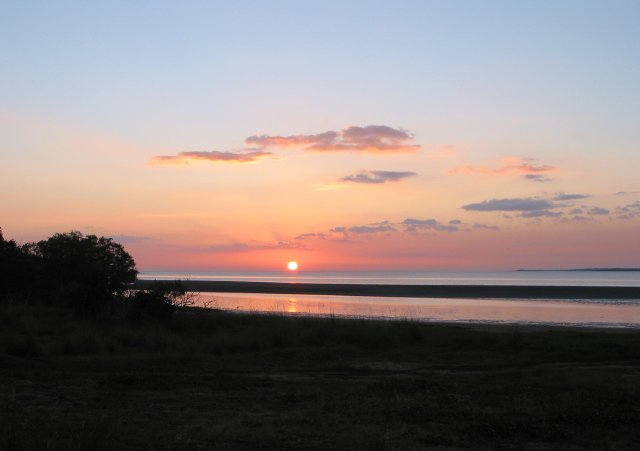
90	276
146	371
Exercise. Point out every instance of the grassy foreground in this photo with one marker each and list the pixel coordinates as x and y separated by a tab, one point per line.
218	380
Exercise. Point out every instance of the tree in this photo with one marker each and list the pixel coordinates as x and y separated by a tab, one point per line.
16	268
85	271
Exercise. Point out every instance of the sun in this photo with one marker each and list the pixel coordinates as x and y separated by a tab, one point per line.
292	266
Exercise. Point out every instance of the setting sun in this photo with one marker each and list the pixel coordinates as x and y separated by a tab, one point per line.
292	266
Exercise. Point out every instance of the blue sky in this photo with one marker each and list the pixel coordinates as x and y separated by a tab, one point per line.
551	81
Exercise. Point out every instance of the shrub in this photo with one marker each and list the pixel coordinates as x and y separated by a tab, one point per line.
150	304
159	301
16	268
85	271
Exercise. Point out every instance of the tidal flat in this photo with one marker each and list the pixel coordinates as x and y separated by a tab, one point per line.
211	379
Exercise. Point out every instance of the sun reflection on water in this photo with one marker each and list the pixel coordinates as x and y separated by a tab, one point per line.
293	305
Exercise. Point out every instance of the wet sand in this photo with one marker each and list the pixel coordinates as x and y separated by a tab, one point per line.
414	291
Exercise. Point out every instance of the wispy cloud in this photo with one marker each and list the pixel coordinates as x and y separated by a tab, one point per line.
309	236
514	204
371	138
580	219
565	197
349	234
478	226
629	211
374	228
213	156
246	247
538	177
412	225
377	177
363	230
510	166
559	205
541	214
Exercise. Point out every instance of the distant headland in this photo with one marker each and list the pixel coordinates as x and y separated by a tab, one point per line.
582	269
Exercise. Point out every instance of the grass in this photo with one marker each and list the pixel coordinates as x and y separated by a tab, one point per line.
220	380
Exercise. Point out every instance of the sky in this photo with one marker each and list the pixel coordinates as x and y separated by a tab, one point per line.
346	135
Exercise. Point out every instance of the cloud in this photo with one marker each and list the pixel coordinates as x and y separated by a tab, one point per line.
376	177
371	138
308	236
413	225
563	196
246	247
541	214
576	218
538	177
248	156
485	227
598	211
509	166
342	232
374	228
576	211
368	229
515	204
629	211
349	234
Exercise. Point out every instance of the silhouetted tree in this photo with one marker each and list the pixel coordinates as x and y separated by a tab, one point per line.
85	271
16	268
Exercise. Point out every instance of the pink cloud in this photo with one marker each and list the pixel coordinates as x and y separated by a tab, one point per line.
212	156
508	166
371	139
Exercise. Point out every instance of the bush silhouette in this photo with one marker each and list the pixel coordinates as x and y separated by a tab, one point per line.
159	301
89	274
85	271
17	269
70	269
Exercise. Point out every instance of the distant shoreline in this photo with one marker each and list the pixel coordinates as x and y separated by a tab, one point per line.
582	269
414	291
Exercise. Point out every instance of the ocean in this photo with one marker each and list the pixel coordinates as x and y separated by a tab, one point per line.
570	312
564	278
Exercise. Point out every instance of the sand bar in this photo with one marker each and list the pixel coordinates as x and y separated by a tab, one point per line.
414	291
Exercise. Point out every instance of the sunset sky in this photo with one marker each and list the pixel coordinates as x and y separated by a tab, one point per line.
426	135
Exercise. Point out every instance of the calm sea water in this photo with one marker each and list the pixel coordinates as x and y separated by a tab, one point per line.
576	278
604	313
